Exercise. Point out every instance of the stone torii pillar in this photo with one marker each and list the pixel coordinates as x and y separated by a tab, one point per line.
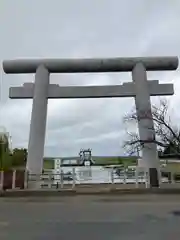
41	91
145	122
38	121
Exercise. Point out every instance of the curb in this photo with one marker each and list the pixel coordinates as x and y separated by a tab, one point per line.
111	192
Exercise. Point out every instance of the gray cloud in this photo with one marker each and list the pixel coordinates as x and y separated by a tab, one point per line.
83	29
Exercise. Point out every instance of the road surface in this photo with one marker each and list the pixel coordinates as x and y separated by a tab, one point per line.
95	218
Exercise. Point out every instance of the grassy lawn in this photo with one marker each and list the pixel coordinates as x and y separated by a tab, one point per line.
174	167
49	163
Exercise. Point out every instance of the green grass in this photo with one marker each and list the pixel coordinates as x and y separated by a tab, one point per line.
172	167
126	161
49	163
114	160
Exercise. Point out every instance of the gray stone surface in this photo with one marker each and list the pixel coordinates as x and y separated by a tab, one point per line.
124	90
38	122
90	65
144	114
90	218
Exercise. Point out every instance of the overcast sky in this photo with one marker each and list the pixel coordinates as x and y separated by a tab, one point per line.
83	28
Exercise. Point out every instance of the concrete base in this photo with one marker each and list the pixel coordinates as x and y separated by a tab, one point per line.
34	185
33	182
166	190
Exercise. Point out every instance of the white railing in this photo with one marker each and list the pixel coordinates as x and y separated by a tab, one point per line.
90	176
77	177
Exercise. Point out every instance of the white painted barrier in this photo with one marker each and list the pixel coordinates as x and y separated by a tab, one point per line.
72	176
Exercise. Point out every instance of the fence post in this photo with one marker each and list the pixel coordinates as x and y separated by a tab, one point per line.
172	177
112	175
49	180
14	180
62	178
136	176
146	176
1	180
124	176
74	177
160	180
25	179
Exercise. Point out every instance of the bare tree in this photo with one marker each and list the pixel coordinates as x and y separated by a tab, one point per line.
167	133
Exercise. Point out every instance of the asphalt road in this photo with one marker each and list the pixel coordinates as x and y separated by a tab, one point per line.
95	218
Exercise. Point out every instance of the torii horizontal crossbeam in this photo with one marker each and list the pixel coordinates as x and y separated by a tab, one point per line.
124	90
90	65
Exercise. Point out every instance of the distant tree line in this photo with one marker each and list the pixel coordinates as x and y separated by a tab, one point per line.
11	158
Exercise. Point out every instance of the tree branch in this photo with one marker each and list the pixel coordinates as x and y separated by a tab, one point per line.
166	133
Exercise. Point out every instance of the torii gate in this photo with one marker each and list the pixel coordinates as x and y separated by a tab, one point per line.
41	90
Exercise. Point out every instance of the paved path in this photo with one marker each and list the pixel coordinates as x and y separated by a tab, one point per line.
97	218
